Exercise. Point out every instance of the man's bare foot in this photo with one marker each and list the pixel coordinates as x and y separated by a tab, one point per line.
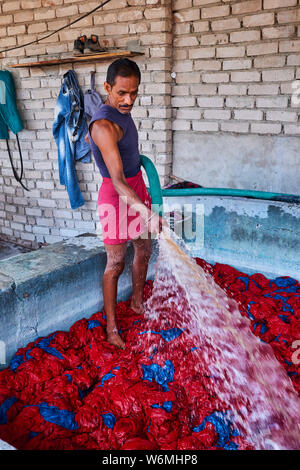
115	339
137	307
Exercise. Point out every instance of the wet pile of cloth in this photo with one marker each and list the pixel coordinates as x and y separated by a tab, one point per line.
73	390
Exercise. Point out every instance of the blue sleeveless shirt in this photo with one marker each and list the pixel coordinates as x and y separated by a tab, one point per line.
128	145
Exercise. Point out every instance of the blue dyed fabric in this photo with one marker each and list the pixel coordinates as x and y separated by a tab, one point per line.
285	306
260	325
284	281
63	418
284	318
161	375
167	406
16	361
43	344
108	376
167	335
6	405
222	423
153	353
246	280
109	420
93	324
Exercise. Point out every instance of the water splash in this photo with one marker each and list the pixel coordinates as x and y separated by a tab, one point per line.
245	373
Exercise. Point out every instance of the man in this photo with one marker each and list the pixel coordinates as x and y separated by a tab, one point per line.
124	204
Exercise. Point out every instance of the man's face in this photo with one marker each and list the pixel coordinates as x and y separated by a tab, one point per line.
123	93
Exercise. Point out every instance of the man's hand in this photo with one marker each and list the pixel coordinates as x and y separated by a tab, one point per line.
156	223
87	138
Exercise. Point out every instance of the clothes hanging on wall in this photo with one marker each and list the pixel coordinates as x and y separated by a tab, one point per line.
92	99
69	130
10	118
9	114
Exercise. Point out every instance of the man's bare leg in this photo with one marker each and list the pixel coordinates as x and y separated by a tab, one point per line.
142	253
114	268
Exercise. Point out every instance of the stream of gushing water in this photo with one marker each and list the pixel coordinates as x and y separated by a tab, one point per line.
247	377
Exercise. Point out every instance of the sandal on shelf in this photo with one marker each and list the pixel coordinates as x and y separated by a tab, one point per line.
79	45
92	44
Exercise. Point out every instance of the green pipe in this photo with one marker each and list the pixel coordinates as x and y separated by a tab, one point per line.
157	193
231	192
154	189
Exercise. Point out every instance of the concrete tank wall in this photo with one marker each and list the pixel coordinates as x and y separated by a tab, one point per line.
251	235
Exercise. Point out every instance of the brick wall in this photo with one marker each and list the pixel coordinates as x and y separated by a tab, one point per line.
233	65
43	215
235	62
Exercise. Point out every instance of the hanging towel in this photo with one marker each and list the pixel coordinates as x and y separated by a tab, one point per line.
9	114
69	129
10	118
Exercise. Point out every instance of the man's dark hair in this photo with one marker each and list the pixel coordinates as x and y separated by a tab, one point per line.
123	67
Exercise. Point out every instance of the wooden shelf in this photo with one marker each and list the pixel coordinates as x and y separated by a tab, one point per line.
81	58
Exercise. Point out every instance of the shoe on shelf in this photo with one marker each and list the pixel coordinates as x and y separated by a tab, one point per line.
79	45
92	44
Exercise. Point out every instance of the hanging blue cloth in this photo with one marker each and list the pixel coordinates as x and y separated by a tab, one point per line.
69	130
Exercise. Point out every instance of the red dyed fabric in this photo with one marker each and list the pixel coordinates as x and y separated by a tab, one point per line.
73	390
